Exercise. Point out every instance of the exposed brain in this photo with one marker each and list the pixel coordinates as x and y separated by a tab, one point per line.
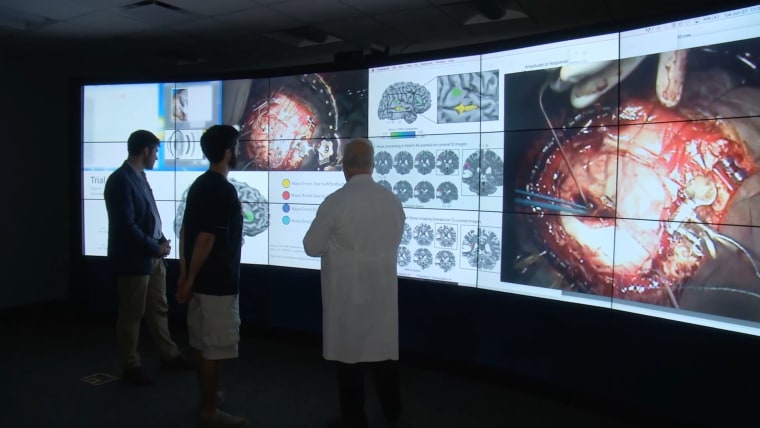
404	100
293	127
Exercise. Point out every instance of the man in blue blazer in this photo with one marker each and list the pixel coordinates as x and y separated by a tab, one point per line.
136	251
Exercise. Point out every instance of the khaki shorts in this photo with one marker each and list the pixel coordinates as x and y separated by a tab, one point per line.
213	324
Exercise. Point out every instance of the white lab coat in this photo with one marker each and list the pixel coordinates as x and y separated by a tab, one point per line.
357	232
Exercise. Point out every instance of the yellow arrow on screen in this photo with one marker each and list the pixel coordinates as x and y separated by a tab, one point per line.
461	108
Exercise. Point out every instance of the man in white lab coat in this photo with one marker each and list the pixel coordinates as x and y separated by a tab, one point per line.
356	232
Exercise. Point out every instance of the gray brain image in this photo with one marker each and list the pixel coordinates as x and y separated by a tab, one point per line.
404	256
446	235
403	191
404	100
255	209
447	162
383	162
424	162
483	172
445	260
385	184
423	257
403	162
447	192
424	191
481	249
468	97
406	236
423	234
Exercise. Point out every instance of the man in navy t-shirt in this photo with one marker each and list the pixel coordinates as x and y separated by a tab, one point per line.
210	241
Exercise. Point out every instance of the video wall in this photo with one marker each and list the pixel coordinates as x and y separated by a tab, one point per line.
619	170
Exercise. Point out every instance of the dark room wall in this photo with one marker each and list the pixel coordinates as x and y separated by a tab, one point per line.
36	193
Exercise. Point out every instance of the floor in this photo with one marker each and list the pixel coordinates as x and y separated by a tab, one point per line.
62	371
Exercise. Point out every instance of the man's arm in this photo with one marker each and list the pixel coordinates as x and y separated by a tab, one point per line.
202	248
120	205
318	236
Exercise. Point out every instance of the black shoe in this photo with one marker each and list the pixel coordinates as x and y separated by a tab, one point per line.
179	362
138	376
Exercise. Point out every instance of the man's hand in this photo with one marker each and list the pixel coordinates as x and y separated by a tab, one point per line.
165	248
184	290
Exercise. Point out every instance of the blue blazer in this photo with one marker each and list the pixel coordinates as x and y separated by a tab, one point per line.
131	246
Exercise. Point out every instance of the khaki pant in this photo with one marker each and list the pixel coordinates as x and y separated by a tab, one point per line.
144	296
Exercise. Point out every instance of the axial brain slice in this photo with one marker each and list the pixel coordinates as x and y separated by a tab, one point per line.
404	100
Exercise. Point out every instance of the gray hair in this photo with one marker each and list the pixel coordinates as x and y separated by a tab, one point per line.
358	154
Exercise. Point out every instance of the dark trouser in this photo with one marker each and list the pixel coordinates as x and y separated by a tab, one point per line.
385	376
144	296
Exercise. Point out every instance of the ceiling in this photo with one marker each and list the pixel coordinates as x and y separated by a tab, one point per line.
249	34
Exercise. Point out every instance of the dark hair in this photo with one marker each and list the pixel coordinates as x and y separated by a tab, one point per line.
216	140
140	140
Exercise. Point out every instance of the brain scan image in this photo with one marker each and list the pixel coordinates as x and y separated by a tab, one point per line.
403	162
404	256
423	257
447	162
447	192
299	123
424	162
423	234
446	235
483	172
404	100
424	191
677	194
403	191
406	236
383	162
385	184
468	97
482	249
445	260
255	209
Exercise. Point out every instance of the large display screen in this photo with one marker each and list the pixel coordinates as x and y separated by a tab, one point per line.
619	170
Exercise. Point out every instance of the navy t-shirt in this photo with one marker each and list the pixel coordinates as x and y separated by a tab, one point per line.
213	206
